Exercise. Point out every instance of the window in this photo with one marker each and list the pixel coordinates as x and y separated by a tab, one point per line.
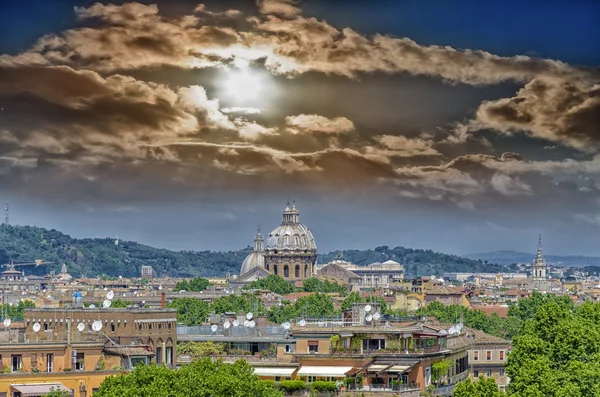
312	378
286	271
275	269
476	355
502	355
49	362
488	355
306	273
159	355
289	348
475	374
488	373
16	363
79	362
313	346
501	373
297	271
169	354
112	327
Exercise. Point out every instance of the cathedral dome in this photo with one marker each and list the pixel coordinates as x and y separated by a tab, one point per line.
254	259
291	234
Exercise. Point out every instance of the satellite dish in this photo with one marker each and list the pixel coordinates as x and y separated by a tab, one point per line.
92	306
213	328
236	323
97	325
286	325
443	332
302	323
7	322
105	288
226	324
246	323
452	331
37	327
369	318
252	323
106	303
159	287
249	316
110	294
368	308
80	327
376	316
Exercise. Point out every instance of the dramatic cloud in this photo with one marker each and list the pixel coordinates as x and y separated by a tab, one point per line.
135	95
565	111
314	123
281	8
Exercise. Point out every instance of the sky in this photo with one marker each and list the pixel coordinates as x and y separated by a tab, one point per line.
457	126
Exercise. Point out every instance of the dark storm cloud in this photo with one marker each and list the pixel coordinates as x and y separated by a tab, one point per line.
565	111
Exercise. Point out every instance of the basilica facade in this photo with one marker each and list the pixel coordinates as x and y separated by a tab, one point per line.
290	251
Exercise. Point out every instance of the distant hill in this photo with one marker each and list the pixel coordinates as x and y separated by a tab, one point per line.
101	256
97	256
416	261
509	257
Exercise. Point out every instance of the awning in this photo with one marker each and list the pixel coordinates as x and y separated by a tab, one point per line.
377	367
334	372
37	389
274	371
399	368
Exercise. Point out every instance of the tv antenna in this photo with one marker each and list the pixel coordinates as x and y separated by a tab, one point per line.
6	220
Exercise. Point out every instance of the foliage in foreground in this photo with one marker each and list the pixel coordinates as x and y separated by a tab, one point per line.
557	352
202	378
481	388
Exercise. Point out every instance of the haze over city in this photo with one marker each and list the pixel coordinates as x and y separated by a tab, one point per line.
185	125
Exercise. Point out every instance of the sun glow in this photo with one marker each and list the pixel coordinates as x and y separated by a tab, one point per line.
242	85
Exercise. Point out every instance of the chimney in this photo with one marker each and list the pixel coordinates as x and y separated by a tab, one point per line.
162	300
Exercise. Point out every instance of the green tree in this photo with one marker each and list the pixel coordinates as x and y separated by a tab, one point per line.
119	303
354	297
483	387
557	352
272	283
57	393
312	306
202	378
200	349
190	311
237	303
314	284
194	285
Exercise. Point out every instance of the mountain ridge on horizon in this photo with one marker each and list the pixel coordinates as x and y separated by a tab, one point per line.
507	257
98	256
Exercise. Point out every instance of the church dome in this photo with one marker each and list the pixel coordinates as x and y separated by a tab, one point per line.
291	234
254	259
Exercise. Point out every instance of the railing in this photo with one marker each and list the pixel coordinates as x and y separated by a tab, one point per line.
206	330
444	390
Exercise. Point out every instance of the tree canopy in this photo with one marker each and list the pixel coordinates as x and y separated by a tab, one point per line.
311	306
196	284
557	352
483	387
272	283
202	378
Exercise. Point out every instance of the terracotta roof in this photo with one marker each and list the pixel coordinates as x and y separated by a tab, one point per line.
482	337
502	311
445	290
